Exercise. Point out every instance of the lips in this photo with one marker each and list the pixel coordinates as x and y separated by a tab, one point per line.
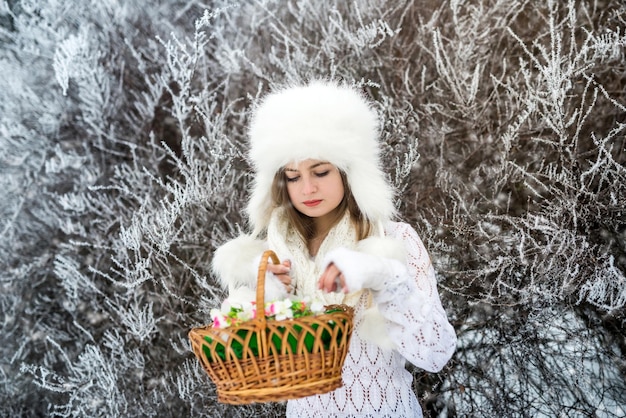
311	203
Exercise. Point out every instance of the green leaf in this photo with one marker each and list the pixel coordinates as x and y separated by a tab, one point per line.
219	350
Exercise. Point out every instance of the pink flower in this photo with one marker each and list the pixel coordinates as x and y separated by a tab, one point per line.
270	309
219	319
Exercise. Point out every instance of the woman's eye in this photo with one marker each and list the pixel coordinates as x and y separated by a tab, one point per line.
322	174
292	179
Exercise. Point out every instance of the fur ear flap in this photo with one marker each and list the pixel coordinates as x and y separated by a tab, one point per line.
374	329
236	262
385	247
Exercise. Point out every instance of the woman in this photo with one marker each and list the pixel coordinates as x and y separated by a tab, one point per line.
321	202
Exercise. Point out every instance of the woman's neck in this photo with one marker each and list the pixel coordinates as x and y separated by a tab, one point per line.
322	226
315	243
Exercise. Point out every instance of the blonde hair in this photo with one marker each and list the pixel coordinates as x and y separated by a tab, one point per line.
304	224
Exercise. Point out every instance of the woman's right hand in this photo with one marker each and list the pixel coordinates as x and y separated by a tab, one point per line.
332	280
282	271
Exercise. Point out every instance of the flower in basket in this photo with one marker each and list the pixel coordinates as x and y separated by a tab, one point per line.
232	313
235	313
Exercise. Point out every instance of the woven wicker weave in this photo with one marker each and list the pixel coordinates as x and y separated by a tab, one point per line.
275	373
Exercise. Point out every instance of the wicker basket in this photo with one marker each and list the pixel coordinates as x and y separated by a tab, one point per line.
271	361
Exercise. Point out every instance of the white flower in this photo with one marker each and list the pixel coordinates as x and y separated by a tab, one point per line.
229	304
317	307
281	309
246	314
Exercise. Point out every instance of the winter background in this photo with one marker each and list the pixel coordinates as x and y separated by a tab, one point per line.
123	166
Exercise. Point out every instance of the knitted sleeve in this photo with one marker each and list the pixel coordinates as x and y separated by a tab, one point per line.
418	324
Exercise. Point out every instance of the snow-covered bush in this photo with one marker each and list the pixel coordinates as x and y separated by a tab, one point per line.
123	165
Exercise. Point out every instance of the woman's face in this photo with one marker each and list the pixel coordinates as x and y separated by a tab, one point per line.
315	187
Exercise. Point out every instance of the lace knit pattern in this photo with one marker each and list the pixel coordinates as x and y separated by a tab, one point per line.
376	383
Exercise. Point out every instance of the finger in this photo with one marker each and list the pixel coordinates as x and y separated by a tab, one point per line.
337	283
322	282
343	286
327	280
278	269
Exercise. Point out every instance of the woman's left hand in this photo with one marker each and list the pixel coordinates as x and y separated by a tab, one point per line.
332	280
282	272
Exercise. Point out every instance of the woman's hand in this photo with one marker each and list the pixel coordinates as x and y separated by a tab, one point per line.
282	272
332	280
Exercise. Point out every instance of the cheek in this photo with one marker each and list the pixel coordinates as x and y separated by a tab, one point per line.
338	186
291	191
340	193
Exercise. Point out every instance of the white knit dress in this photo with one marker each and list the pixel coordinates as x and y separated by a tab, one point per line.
376	382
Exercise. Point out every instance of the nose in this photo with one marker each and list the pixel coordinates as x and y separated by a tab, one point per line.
309	185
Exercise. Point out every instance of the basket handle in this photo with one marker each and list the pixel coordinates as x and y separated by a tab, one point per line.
260	287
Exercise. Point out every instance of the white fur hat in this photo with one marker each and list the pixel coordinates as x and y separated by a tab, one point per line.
323	121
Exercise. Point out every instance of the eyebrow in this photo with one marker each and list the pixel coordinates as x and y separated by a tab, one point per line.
310	168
